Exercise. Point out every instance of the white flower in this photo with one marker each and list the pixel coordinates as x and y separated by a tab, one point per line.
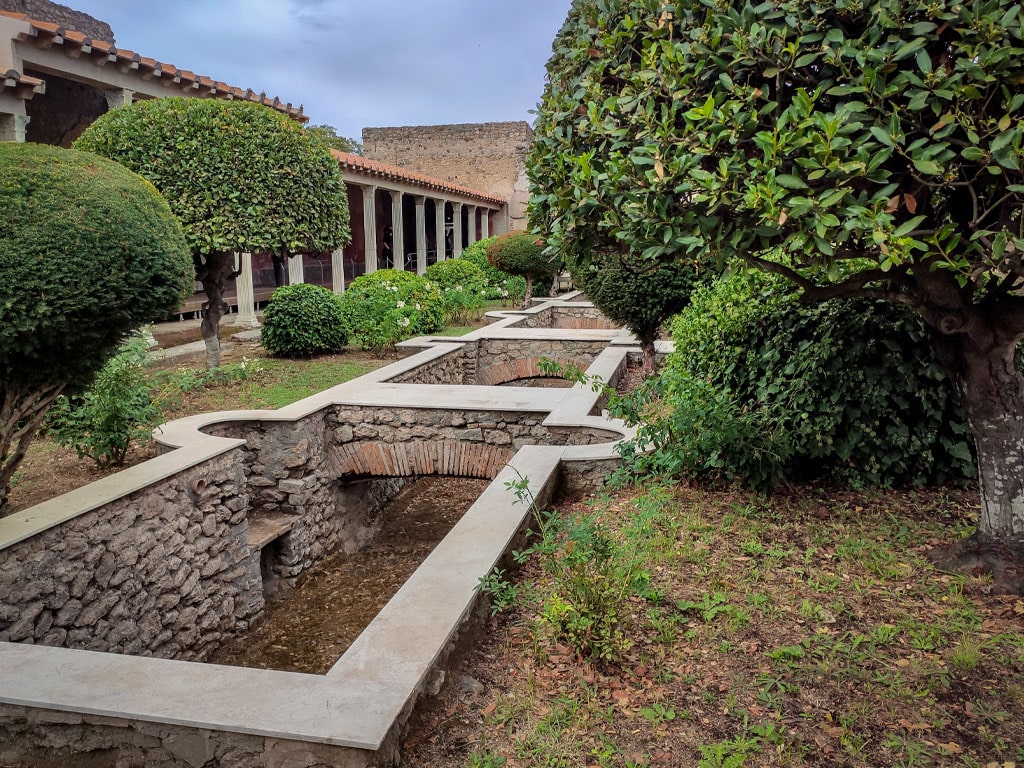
417	306
458	287
400	304
393	288
403	321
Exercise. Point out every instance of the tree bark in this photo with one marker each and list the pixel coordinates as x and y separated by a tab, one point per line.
22	410
528	296
981	365
213	271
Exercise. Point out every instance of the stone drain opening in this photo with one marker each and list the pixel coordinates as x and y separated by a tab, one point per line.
307	628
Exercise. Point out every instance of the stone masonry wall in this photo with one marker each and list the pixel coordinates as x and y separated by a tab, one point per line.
165	573
44	10
489	157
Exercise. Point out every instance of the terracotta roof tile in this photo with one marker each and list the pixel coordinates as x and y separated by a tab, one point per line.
53	34
23	85
395	173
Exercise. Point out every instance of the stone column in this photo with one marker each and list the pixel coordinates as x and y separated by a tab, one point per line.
118	97
439	228
338	270
13	127
485	223
421	234
471	230
369	228
245	295
456	230
295	275
397	229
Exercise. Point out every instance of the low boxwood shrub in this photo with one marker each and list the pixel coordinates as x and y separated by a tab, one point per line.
762	388
389	305
303	320
461	283
521	253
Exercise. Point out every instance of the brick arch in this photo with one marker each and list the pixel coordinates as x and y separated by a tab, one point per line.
427	457
520	368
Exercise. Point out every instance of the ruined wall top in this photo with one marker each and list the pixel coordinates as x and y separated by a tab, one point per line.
44	10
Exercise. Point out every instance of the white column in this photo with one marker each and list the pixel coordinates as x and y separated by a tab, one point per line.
13	127
295	275
471	229
485	223
118	97
245	295
369	228
397	230
421	234
338	270
456	230
439	228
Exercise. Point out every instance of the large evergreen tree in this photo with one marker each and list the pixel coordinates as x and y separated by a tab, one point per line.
869	149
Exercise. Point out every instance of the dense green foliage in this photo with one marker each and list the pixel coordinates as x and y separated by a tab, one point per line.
389	305
762	389
499	285
116	410
88	252
461	283
240	176
636	293
303	320
862	150
521	253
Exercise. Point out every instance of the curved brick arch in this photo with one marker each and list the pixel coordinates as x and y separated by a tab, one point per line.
520	368
436	457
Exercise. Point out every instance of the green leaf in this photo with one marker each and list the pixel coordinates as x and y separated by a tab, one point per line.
928	167
788	181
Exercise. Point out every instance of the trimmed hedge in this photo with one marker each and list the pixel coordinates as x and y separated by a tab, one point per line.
389	305
762	388
303	321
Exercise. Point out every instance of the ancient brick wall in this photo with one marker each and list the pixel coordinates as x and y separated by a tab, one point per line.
489	157
44	10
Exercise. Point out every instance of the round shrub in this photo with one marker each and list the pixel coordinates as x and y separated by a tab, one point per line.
461	284
762	388
303	321
389	305
88	252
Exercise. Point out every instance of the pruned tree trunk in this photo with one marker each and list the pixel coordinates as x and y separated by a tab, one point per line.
991	389
213	271
22	411
648	349
528	296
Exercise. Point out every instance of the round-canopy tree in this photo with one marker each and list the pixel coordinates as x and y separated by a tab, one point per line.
89	252
878	145
239	176
520	253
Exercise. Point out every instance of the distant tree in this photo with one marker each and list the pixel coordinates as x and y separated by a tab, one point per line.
328	134
88	253
862	149
520	253
239	176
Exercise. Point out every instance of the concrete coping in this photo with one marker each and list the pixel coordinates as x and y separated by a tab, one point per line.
356	704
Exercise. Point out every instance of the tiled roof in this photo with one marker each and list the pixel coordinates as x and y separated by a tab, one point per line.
23	85
76	44
394	173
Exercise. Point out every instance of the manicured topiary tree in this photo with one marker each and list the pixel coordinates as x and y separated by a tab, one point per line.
88	252
240	177
861	150
303	321
640	294
520	253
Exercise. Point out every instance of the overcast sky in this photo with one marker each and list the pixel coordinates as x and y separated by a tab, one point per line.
356	63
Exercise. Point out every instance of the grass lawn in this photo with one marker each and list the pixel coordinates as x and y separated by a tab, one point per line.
681	627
